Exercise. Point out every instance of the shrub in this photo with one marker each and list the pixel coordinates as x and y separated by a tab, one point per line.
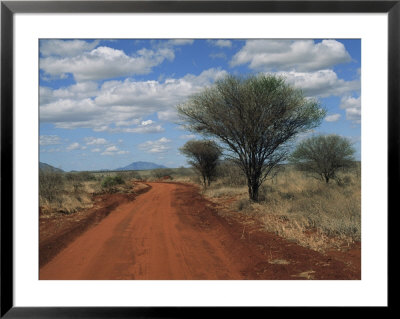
203	156
110	181
162	172
128	175
324	156
80	176
51	184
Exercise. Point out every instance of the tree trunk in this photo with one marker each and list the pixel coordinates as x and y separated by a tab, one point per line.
253	191
204	181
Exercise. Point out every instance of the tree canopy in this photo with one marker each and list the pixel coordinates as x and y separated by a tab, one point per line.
254	117
323	155
203	156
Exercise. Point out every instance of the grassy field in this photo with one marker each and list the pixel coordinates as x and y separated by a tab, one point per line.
301	208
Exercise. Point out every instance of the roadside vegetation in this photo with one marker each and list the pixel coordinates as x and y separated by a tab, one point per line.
298	207
66	193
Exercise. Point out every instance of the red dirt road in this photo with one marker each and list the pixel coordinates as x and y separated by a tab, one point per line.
171	232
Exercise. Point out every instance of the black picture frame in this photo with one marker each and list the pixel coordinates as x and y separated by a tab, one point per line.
9	8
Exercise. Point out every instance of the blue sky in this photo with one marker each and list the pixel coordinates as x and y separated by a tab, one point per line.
107	103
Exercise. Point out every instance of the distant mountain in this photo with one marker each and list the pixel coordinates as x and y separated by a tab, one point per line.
48	168
140	166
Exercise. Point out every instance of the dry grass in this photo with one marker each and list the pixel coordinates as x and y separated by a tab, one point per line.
309	212
71	198
66	193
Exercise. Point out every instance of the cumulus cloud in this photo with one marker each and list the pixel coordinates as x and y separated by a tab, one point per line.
288	55
65	48
158	146
322	83
179	42
105	62
144	129
122	105
95	141
221	43
49	140
78	91
332	117
73	146
352	106
113	150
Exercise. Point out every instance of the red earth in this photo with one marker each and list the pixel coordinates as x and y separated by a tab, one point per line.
171	232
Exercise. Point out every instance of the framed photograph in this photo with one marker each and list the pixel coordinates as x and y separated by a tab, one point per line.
177	158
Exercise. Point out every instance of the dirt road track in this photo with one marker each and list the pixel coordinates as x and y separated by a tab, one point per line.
169	233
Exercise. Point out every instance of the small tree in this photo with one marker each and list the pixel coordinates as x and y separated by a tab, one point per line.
323	155
204	156
255	118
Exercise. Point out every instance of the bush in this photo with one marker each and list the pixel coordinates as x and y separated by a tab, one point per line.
80	176
128	175
324	156
112	181
162	172
51	184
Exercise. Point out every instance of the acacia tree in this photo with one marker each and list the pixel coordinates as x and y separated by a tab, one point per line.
204	156
255	118
323	155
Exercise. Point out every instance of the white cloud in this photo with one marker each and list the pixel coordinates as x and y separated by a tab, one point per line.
321	83
148	122
288	55
158	146
180	42
353	108
221	43
66	48
219	55
78	91
49	140
104	62
73	146
122	105
332	117
113	150
144	129
95	150
95	141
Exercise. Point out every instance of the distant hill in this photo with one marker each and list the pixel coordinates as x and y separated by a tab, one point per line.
48	168
140	166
